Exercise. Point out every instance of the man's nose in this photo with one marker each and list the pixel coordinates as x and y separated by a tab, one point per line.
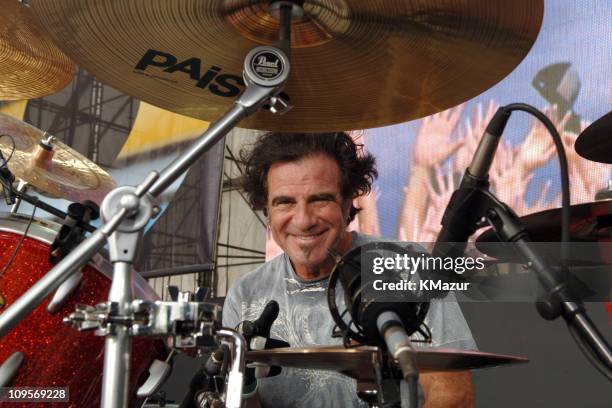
303	217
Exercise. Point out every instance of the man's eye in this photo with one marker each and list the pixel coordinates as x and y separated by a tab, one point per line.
320	202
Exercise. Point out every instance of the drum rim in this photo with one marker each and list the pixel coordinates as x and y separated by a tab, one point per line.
45	230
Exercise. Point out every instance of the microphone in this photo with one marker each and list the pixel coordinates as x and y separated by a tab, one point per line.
457	222
386	319
364	303
260	327
483	157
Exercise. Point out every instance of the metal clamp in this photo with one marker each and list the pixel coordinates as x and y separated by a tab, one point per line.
191	324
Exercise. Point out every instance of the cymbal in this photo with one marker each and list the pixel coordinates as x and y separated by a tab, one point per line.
595	142
352	360
589	222
31	66
61	172
354	64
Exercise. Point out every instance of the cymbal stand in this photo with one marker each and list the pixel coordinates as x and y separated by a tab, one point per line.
126	211
233	388
559	301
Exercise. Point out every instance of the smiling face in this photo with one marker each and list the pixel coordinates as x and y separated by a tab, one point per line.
307	213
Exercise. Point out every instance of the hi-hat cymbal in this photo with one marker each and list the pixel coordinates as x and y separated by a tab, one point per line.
354	64
61	171
31	66
355	361
595	142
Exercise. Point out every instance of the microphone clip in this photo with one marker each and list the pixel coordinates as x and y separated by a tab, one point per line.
7	179
71	233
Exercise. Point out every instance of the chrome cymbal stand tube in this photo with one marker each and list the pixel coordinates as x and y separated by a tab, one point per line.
126	210
233	388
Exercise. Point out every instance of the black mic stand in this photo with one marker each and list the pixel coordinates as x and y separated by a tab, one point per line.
476	204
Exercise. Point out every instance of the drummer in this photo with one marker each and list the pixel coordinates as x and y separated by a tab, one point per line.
305	184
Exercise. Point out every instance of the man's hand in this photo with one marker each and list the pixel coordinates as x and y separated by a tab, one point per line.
450	389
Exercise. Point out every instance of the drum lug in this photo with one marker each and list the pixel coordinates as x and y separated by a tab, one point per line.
9	368
64	291
158	372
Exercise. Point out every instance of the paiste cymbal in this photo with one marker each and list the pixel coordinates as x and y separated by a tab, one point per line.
31	66
356	361
354	64
595	142
61	172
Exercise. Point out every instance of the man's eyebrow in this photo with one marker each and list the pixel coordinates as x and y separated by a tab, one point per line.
322	196
281	198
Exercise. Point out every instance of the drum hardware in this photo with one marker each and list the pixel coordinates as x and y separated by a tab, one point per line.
605	193
63	293
38	203
71	233
472	204
176	295
5	174
22	187
233	390
158	372
9	368
190	324
31	65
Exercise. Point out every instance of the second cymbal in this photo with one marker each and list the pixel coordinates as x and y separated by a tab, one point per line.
57	170
352	361
589	223
595	142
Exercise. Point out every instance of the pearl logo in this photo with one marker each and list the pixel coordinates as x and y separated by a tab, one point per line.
267	65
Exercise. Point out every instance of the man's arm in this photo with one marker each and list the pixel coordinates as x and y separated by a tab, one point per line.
449	389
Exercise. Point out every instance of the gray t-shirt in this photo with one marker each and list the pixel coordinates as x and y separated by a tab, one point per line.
304	320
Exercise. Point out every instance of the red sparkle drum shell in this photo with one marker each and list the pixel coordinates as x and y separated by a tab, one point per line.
57	355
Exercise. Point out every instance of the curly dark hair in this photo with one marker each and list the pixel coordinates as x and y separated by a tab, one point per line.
357	167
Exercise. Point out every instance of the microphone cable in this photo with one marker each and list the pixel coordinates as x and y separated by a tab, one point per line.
4	165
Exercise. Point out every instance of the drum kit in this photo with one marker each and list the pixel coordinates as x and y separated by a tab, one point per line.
310	66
